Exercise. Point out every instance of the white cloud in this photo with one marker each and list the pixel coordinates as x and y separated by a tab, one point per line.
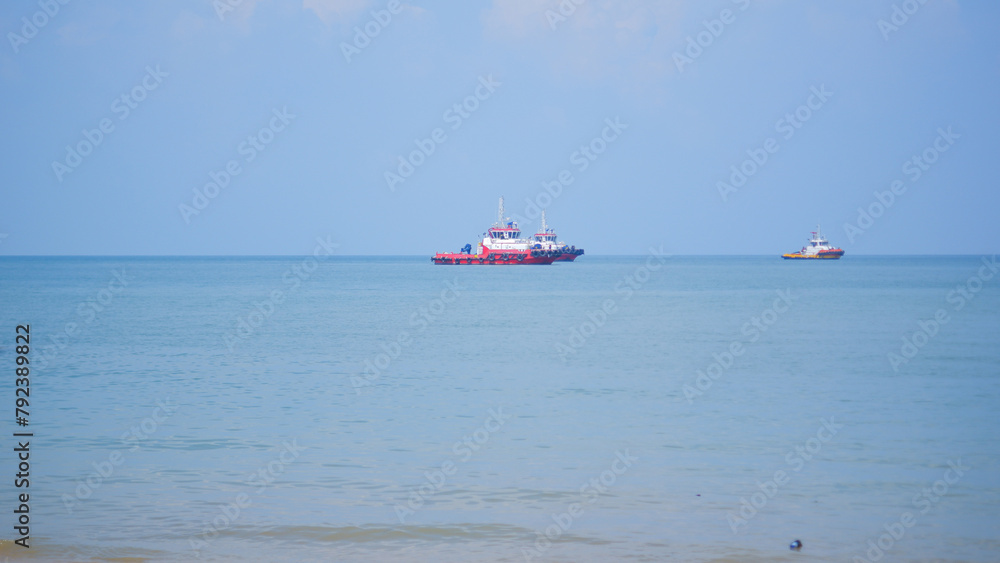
517	18
186	24
94	26
331	11
237	13
595	37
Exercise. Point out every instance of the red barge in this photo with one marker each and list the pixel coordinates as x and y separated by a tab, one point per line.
502	244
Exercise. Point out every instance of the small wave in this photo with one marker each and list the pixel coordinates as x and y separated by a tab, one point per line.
372	534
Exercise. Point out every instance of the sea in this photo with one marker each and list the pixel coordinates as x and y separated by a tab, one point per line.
618	408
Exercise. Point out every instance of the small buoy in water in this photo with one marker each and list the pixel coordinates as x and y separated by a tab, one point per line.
795	546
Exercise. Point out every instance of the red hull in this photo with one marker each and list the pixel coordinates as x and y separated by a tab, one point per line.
570	256
493	258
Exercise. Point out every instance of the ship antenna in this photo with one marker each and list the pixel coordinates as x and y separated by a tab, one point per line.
500	213
545	228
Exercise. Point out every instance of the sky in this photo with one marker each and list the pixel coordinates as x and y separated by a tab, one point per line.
229	127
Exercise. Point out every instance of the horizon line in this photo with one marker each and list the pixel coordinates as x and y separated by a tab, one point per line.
424	255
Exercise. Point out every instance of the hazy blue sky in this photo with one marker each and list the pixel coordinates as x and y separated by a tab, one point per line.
310	112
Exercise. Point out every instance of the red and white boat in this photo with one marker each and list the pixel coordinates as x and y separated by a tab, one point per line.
546	238
502	244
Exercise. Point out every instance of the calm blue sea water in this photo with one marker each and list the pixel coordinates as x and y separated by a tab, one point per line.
534	413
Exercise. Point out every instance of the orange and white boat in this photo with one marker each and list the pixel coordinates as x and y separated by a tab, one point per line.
818	249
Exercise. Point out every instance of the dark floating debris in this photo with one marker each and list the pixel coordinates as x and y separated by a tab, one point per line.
795	546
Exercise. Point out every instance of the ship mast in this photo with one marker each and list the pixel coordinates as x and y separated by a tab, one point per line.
500	213
545	228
